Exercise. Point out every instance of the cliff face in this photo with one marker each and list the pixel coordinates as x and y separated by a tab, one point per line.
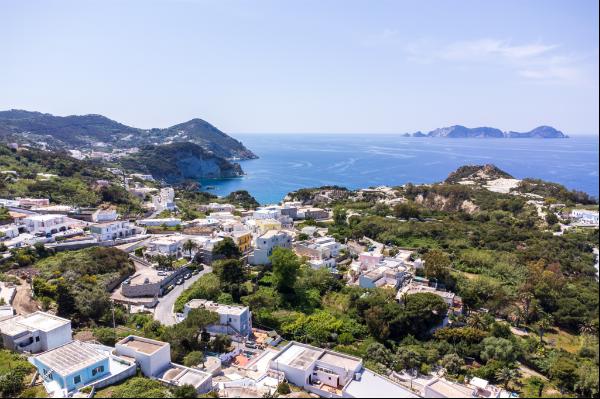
178	162
87	131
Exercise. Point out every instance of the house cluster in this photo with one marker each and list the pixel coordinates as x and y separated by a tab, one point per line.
67	366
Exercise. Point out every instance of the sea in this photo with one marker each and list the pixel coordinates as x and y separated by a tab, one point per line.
288	162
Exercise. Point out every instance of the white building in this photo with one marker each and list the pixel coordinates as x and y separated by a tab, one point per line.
332	374
321	251
35	332
216	207
169	222
154	359
233	320
164	200
104	215
9	230
168	245
264	244
46	224
585	216
108	231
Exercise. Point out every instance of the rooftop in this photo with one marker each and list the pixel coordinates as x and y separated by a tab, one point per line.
71	357
451	390
43	218
180	375
341	360
371	385
142	345
43	321
298	356
216	307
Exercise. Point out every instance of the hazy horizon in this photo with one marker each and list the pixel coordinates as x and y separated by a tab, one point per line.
337	67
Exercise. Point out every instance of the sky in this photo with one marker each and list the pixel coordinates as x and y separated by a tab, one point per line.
306	66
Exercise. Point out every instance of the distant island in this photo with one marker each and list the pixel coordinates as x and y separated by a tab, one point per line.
462	132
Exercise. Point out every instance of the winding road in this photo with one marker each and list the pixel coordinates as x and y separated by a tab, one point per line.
163	312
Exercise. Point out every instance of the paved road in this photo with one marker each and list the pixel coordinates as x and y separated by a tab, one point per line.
163	312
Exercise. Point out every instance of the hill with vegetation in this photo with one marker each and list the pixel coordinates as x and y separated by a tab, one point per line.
30	172
462	132
179	162
92	131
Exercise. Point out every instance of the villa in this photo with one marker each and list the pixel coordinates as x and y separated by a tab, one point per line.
45	224
108	231
322	251
265	244
154	359
35	332
333	374
233	320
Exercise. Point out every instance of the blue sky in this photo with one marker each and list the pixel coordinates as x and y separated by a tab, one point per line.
306	66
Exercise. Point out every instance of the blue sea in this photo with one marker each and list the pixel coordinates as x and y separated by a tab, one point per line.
291	161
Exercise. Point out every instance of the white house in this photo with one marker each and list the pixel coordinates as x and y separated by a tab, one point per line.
154	359
332	374
108	231
265	243
46	224
233	320
585	216
104	215
35	332
9	230
321	251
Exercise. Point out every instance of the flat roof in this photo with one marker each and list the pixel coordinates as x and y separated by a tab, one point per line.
340	360
299	356
216	307
373	385
43	321
142	345
71	357
180	375
451	390
45	217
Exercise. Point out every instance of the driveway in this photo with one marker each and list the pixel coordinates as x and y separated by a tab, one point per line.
163	312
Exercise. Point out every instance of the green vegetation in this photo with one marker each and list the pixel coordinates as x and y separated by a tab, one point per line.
77	282
14	369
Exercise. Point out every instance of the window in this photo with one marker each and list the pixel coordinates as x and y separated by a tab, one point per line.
97	370
37	339
77	379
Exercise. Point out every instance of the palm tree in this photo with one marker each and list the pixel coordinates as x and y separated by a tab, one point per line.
189	246
477	320
507	374
543	324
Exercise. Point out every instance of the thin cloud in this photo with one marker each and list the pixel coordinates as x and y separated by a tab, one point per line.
532	61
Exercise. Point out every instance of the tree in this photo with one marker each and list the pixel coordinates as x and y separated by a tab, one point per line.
65	300
499	349
408	358
452	363
437	265
194	358
226	248
339	216
406	210
190	246
507	375
587	380
286	266
551	219
230	271
220	343
564	372
11	383
185	391
378	353
543	325
283	388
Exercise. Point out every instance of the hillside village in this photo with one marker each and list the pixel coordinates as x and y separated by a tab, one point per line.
332	292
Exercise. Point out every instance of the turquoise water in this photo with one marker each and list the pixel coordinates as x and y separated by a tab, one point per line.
289	162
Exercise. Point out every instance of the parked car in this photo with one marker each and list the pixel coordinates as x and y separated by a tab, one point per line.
179	281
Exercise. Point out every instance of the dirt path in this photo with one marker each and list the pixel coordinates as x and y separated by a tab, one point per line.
23	302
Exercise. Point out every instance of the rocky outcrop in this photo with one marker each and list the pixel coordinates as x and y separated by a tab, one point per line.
180	162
